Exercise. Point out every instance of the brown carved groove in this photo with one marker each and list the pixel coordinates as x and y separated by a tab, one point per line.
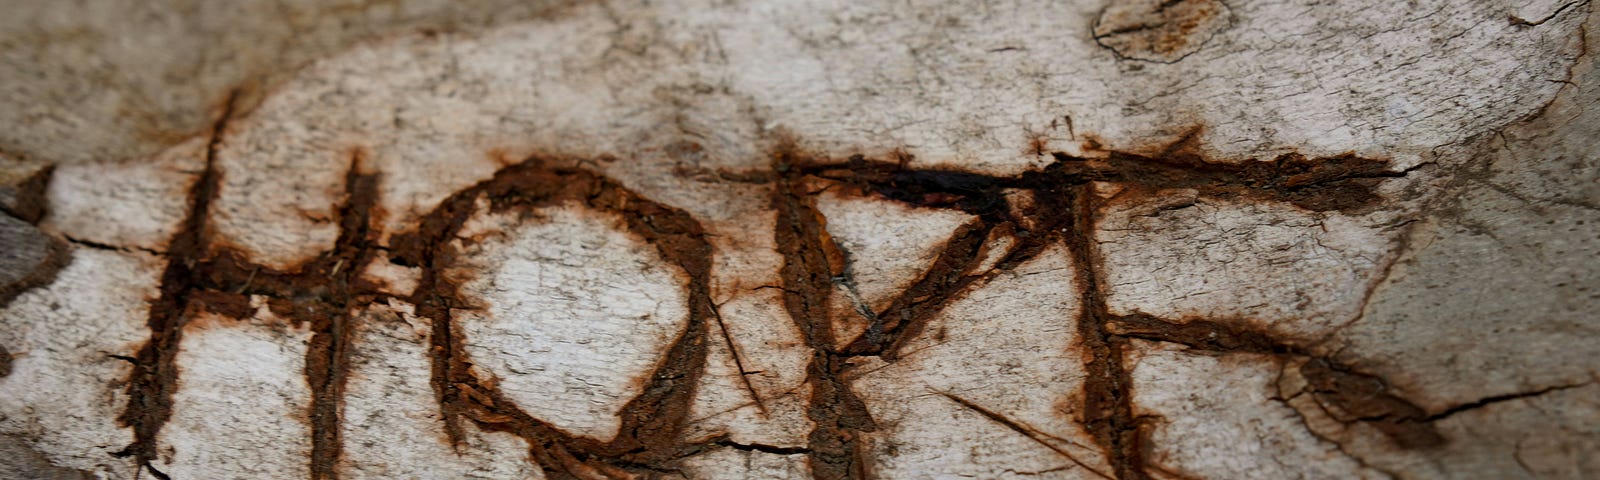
325	292
652	423
1065	210
1107	395
151	383
811	263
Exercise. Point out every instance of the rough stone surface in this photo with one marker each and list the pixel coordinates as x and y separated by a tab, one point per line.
810	238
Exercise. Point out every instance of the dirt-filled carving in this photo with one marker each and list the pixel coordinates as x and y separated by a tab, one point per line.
527	302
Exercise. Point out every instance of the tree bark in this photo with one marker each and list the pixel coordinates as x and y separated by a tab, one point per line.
1134	240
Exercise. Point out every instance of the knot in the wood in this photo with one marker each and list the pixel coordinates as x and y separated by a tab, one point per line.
1163	31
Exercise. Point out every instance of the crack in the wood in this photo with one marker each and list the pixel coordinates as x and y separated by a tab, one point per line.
1493	399
1521	22
328	354
909	313
738	360
93	245
1026	431
756	447
1348	394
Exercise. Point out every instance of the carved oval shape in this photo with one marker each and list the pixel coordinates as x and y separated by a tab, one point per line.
575	311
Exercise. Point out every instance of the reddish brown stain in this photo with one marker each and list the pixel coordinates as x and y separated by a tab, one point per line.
908	313
1060	206
1351	396
810	264
1063	205
1038	145
230	305
154	376
650	437
318	294
1107	411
